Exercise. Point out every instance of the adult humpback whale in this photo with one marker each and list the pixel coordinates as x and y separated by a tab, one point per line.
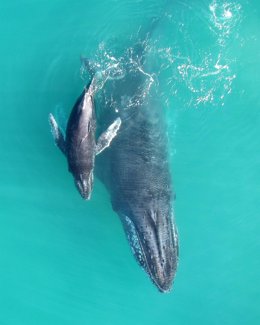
135	168
80	145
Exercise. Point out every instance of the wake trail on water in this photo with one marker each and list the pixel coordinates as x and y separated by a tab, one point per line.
181	64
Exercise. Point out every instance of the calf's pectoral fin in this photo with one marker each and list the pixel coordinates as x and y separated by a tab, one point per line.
107	136
57	134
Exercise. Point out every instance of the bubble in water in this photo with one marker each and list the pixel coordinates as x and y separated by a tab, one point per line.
224	16
194	74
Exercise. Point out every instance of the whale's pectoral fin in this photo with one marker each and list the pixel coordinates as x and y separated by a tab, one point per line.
57	134
106	137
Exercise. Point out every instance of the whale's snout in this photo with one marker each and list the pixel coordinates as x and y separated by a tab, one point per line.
154	242
84	184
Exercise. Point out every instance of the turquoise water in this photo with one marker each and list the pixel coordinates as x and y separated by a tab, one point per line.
66	261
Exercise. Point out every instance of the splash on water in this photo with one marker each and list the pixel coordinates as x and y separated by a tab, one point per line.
185	69
224	17
114	66
194	73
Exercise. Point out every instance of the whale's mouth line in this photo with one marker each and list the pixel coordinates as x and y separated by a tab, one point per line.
148	267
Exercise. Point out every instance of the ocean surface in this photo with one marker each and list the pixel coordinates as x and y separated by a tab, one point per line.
66	261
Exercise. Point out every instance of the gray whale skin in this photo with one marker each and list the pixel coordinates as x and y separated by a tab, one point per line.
136	173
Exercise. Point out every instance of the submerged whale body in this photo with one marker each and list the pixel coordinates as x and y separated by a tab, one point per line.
135	170
80	146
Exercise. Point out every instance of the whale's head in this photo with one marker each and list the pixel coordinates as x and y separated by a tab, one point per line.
154	242
84	183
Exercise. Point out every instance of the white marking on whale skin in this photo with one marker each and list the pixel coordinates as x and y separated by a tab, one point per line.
134	241
106	137
96	84
58	136
153	215
113	128
175	236
86	101
54	127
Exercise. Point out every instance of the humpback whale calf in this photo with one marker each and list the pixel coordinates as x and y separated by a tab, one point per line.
80	145
135	169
